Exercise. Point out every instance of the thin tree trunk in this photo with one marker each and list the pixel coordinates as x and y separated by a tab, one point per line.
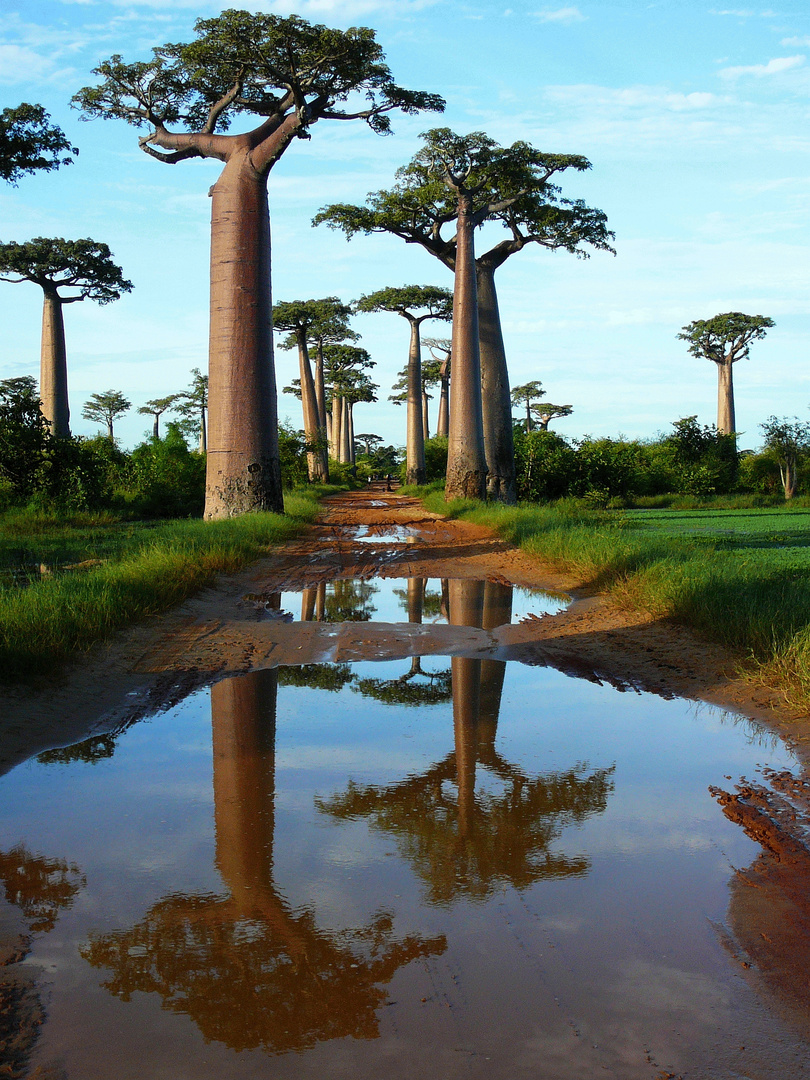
788	475
243	471
443	419
156	427
317	466
425	420
203	432
53	389
320	388
725	400
110	435
415	437
499	445
497	612
466	463
337	417
466	609
528	417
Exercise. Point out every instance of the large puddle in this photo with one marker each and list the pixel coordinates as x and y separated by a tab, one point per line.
420	868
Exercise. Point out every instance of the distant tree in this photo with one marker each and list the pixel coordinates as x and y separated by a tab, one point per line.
510	185
28	143
342	365
85	269
527	394
285	75
787	440
440	351
192	406
725	339
105	408
369	442
416	304
546	412
156	408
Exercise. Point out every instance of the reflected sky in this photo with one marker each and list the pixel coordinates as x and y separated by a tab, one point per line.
406	868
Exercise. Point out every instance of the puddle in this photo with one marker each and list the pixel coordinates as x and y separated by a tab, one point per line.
382	535
427	867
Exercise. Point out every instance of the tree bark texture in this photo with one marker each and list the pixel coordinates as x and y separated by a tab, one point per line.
725	399
203	432
466	462
320	389
243	472
415	438
337	416
499	446
345	432
443	418
425	419
466	609
317	463
53	390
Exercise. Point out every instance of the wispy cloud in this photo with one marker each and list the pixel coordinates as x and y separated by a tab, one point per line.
759	71
746	13
560	15
796	42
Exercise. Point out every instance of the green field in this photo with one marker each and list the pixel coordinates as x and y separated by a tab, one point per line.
740	577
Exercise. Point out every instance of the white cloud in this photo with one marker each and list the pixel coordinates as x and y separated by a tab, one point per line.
746	13
561	15
18	63
796	42
773	67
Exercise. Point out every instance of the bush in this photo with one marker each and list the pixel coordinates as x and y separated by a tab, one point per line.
165	479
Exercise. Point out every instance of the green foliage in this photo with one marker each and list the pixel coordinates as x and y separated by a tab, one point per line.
545	465
165	479
725	338
105	408
83	266
436	458
704	460
28	143
417	301
292	453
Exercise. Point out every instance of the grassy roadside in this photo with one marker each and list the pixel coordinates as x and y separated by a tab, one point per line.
741	578
141	570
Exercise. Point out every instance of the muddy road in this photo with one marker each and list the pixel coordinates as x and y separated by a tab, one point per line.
397	800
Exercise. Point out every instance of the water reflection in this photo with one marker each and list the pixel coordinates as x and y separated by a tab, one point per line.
463	838
40	887
247	968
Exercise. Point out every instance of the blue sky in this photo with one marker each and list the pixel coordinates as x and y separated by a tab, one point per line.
695	119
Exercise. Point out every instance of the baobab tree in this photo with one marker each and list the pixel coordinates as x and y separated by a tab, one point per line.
156	408
29	143
510	185
330	327
368	441
725	339
339	362
526	394
85	270
287	74
105	408
192	406
296	318
547	412
416	304
440	351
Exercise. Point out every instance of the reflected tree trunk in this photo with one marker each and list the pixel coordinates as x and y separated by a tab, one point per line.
466	609
497	612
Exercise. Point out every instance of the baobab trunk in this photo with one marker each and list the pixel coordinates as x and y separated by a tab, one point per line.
243	472
499	446
320	390
345	432
466	609
337	416
53	389
203	432
415	437
352	452
725	400
317	464
443	418
425	421
466	463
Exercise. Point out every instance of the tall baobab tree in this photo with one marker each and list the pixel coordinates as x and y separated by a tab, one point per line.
192	406
105	408
340	361
28	143
156	408
526	394
286	74
510	185
416	304
725	339
440	351
296	318
67	271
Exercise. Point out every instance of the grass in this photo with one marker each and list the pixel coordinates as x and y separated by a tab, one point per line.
740	577
136	570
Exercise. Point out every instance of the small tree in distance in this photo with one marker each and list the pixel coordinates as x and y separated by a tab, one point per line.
28	143
191	406
526	394
85	269
546	412
105	408
787	441
725	339
156	408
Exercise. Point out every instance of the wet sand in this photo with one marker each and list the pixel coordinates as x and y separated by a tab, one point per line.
232	629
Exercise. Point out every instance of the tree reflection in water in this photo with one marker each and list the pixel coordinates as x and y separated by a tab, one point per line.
247	968
38	886
464	842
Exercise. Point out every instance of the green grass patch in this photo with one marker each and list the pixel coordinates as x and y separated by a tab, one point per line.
131	571
740	577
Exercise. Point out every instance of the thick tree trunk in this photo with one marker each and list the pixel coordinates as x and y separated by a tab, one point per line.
345	432
499	445
497	612
352	451
317	464
466	463
320	389
725	399
203	432
156	427
337	416
243	472
53	389
415	437
443	418
466	609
